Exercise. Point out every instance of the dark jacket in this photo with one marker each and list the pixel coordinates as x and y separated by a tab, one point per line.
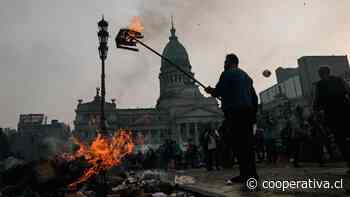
236	90
331	94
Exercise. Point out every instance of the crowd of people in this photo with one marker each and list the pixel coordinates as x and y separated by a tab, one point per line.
277	140
285	139
168	156
321	129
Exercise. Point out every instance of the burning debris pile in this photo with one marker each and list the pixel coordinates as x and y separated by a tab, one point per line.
66	172
52	178
102	154
80	172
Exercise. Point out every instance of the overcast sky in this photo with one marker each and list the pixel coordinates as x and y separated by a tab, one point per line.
49	57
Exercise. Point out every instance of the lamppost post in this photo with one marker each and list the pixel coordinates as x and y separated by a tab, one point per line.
103	49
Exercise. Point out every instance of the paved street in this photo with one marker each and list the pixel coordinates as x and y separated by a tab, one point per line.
213	182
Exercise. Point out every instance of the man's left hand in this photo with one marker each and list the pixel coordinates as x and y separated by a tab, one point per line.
209	90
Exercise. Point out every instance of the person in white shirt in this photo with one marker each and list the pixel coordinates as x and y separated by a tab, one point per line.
212	137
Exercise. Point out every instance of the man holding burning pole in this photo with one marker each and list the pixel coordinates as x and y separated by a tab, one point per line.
239	104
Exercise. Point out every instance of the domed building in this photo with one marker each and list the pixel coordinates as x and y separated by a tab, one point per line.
173	83
181	111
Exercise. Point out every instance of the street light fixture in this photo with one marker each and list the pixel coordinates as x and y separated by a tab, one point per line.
103	49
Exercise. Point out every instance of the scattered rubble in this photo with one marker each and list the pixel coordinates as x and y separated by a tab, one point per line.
11	162
48	178
184	180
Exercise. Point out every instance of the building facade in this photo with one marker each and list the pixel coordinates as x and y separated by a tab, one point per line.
283	74
308	70
87	119
36	139
291	88
181	111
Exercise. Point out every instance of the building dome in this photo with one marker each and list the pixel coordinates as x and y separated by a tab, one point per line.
176	52
172	81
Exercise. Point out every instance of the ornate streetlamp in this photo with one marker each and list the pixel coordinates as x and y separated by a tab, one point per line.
103	49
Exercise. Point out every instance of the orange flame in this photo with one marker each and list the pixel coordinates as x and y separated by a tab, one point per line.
136	25
102	154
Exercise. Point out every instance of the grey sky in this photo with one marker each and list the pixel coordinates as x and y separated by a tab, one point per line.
49	58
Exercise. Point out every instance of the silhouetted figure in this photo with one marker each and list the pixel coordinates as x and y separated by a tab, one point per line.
259	144
297	128
319	139
4	145
239	104
150	159
270	142
177	155
192	154
169	154
140	158
326	137
286	140
227	152
332	97
211	142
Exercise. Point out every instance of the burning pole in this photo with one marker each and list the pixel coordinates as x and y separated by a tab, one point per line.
127	38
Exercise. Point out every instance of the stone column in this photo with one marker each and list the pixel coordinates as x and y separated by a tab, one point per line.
187	131
157	133
177	134
196	136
